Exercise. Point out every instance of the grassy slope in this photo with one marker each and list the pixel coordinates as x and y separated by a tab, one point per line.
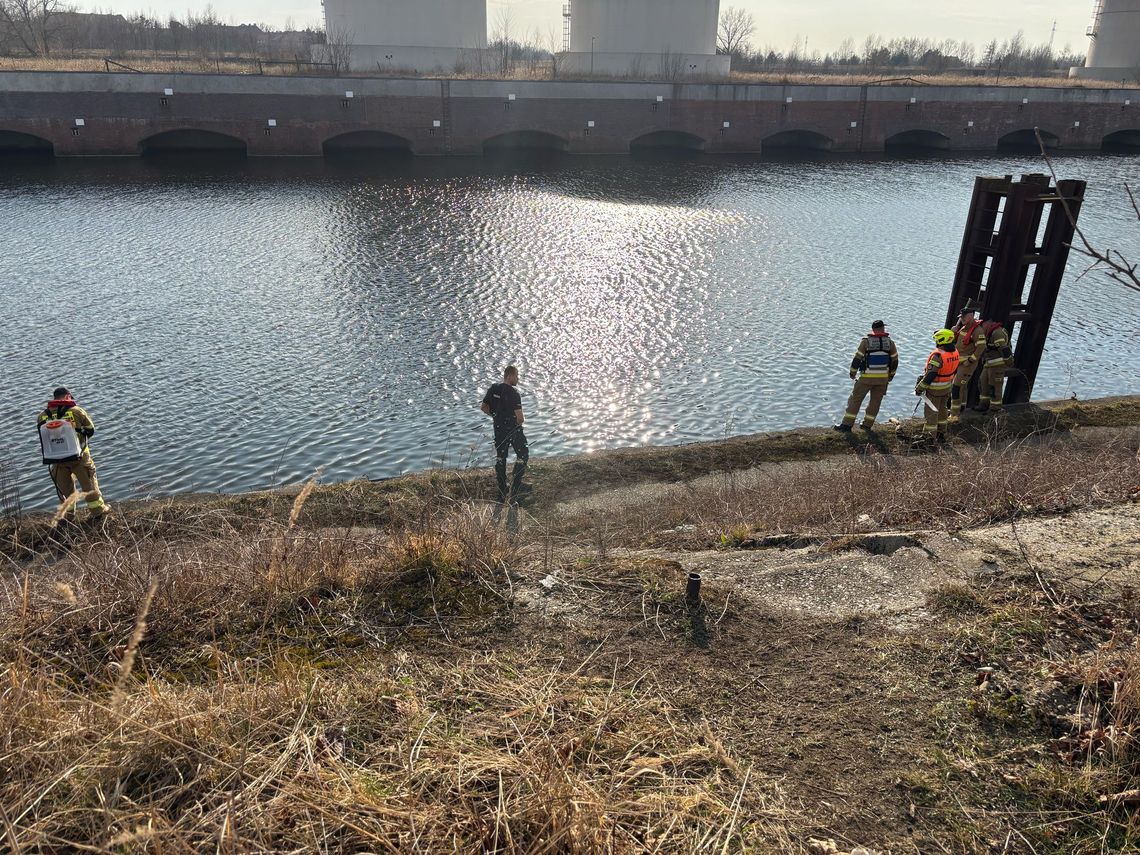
416	688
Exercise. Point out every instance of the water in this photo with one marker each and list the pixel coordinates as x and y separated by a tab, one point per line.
233	326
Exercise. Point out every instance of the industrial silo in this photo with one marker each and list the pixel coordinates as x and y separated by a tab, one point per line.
408	35
1114	51
645	38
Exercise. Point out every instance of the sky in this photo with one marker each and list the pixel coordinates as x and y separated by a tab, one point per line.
823	23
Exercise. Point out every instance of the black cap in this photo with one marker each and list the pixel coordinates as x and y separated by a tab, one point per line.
60	393
971	306
879	325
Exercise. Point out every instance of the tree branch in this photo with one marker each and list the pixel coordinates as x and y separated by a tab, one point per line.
1122	271
1132	199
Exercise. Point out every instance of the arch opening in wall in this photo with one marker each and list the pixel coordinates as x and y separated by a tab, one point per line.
667	141
192	140
19	143
367	142
796	141
1128	140
917	141
1025	140
525	141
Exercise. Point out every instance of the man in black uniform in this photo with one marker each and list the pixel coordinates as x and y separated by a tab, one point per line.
504	404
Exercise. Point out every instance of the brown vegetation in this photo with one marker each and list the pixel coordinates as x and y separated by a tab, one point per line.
147	62
302	691
382	668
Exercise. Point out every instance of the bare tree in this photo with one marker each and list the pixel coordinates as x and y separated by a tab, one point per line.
32	24
338	48
554	47
734	34
670	65
532	52
501	37
846	54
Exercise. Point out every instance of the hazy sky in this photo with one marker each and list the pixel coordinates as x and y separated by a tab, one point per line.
824	23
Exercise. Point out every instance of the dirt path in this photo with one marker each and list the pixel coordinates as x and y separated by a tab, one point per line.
834	667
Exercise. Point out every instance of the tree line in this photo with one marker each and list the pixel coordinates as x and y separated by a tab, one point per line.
1013	56
43	28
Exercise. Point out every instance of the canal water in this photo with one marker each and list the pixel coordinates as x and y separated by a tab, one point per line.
239	325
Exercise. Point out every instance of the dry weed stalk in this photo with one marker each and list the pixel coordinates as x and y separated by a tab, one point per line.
65	508
128	661
302	498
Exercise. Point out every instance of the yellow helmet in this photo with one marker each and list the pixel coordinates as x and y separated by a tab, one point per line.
943	337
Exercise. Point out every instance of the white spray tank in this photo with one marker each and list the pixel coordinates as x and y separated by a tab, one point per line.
59	442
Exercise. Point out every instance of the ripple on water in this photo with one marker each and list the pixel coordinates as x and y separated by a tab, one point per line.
244	325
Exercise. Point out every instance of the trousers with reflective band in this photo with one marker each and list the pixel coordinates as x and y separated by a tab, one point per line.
65	475
864	387
936	409
949	368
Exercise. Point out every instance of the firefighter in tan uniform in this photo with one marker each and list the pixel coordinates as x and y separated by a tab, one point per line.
65	430
996	361
935	385
971	341
876	362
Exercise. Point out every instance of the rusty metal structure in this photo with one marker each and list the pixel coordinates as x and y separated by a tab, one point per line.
1018	235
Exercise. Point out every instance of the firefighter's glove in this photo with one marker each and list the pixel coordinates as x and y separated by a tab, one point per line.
920	389
853	373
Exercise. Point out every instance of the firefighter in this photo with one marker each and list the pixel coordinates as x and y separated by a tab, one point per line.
971	341
876	363
504	405
65	431
935	385
996	361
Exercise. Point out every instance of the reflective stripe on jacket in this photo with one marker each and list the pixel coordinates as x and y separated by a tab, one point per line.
998	352
877	357
971	341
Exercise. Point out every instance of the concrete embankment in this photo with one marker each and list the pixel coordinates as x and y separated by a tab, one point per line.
79	113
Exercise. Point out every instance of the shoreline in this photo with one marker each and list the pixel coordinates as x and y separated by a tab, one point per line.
577	477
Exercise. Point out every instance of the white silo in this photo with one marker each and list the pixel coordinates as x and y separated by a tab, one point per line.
645	38
413	35
1114	53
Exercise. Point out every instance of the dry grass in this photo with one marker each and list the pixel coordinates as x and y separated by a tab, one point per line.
888	78
10	505
963	487
287	691
244	676
148	63
145	62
